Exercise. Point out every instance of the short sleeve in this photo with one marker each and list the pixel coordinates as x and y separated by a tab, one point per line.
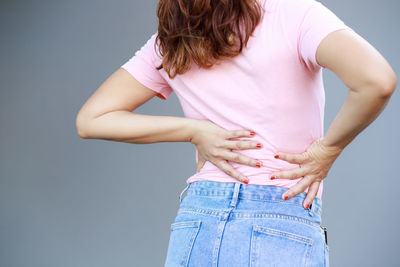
317	23
143	68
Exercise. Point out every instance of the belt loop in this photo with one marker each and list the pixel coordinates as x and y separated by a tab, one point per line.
183	191
235	194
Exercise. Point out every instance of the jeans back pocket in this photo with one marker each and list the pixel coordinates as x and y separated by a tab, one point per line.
182	237
274	247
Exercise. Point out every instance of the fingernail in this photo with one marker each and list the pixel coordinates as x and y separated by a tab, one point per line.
246	181
307	205
273	177
276	156
258	164
259	145
252	133
286	197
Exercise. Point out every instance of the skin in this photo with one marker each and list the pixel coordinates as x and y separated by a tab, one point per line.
109	114
371	81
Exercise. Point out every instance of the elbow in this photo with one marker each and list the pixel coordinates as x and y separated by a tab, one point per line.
382	85
393	84
80	125
82	134
388	84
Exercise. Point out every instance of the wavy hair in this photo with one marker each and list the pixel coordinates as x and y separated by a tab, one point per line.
203	31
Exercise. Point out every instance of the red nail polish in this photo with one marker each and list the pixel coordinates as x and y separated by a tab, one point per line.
259	145
273	177
252	133
307	206
286	197
276	156
258	164
246	181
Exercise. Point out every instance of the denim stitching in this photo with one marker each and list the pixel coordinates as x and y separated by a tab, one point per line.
193	238
251	215
279	233
222	193
316	208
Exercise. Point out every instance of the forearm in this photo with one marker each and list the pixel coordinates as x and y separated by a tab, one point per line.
360	109
125	126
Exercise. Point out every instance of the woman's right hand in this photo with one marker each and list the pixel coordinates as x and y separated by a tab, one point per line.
214	145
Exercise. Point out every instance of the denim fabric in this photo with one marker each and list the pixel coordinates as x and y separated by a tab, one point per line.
235	224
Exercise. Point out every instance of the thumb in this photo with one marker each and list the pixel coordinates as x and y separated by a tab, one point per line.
200	164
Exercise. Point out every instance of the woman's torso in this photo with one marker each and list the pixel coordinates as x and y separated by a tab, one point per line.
274	87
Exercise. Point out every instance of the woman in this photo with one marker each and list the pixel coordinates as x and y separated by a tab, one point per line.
248	75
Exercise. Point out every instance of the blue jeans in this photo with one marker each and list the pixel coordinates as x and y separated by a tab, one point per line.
235	224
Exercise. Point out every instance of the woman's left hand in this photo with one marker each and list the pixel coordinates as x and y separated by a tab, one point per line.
315	164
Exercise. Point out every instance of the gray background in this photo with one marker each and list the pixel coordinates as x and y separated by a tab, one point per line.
66	201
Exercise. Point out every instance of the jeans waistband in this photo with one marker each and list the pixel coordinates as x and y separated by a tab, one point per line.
255	192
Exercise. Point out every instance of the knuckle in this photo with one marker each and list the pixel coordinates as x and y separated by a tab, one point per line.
227	135
238	145
219	144
311	178
307	168
236	157
214	152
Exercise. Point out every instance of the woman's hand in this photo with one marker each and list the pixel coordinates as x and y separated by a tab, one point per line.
315	164
214	145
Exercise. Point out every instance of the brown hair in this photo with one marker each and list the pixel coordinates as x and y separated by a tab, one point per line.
203	31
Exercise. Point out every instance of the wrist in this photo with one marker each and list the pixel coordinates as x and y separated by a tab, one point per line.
329	146
193	128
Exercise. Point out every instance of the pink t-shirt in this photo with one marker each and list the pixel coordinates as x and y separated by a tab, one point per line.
273	87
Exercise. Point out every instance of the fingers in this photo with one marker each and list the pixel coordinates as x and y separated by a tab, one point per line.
292	158
239	133
298	188
311	194
228	169
224	152
290	174
240	144
239	158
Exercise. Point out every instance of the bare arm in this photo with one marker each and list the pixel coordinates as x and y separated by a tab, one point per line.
107	114
371	82
366	73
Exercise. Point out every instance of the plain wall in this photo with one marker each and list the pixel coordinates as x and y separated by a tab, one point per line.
67	201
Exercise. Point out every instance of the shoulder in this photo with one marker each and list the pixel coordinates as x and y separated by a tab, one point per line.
294	12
